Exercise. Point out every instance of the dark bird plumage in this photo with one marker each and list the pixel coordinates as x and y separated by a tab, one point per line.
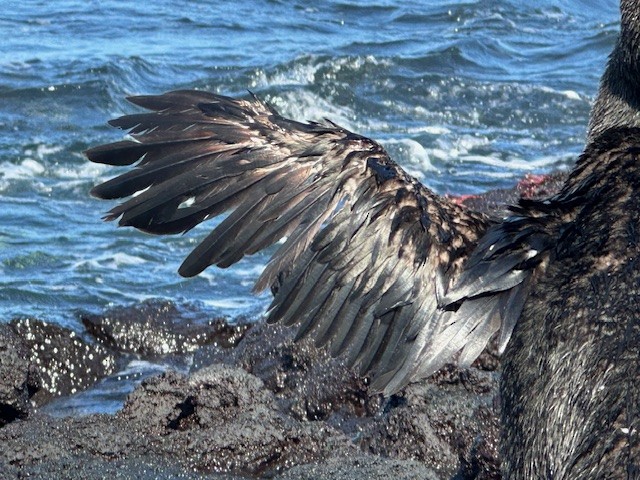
377	268
570	381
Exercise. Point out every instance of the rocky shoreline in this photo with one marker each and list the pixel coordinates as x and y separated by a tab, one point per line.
262	407
253	403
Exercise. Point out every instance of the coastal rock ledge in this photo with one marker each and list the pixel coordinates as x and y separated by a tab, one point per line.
261	407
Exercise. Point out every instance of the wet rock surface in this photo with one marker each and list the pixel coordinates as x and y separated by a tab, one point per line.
360	467
158	327
308	383
225	419
65	362
448	423
82	468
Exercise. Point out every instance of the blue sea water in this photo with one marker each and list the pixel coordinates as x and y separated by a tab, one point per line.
467	95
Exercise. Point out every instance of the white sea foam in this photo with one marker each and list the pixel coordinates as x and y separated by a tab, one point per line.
413	157
126	259
111	261
230	303
300	74
82	170
430	129
35	165
304	70
570	94
467	142
43	150
303	105
457	149
512	163
27	168
128	295
439	153
31	166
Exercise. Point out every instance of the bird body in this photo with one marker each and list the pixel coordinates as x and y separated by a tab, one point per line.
570	382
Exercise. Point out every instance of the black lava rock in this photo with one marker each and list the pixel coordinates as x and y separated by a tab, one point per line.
223	419
65	362
18	377
306	380
289	412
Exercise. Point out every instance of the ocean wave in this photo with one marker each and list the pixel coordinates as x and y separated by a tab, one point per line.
27	168
305	105
511	165
110	261
316	70
232	305
413	157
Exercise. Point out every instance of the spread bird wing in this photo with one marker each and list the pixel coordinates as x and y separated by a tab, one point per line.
369	254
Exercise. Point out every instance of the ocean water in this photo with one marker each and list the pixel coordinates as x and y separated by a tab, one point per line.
466	95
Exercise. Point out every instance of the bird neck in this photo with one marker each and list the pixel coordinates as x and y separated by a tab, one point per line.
618	100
